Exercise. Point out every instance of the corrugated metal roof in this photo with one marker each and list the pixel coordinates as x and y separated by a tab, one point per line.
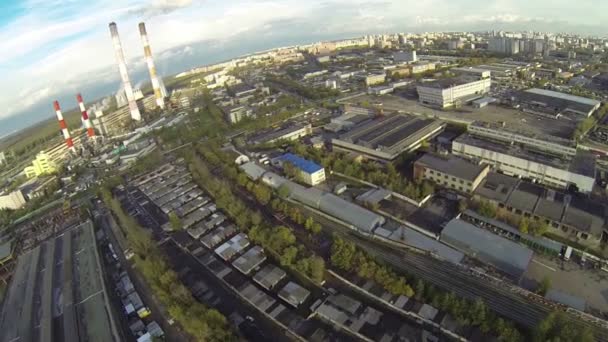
503	254
349	212
563	96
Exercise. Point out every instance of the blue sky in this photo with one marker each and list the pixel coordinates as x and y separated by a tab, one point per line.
55	48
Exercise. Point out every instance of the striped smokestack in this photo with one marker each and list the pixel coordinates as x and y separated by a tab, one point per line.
85	118
151	68
122	67
64	127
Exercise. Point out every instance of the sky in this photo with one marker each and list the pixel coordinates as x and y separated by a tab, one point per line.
52	49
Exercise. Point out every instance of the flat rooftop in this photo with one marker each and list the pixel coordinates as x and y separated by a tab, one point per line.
446	83
585	165
451	165
294	294
250	260
57	293
269	276
390	135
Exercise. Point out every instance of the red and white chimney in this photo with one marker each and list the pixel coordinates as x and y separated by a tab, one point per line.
64	127
85	118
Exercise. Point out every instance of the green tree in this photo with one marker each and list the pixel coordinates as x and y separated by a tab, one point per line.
524	225
545	286
309	223
283	191
317	269
175	221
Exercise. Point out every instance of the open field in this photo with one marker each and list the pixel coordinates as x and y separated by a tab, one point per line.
513	119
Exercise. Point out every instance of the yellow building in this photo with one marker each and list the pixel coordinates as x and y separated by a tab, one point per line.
42	165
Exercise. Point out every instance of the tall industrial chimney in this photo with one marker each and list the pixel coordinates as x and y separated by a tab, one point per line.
64	127
122	67
85	118
151	68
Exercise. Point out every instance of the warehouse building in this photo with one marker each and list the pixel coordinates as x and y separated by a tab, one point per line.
385	138
451	172
308	172
357	216
556	103
505	255
576	218
578	172
452	92
57	293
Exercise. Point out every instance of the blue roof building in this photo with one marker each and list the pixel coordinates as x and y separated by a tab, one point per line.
300	163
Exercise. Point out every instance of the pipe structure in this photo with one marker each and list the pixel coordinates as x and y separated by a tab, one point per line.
64	127
124	75
85	118
160	102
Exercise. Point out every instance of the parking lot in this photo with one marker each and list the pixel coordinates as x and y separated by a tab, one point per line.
570	278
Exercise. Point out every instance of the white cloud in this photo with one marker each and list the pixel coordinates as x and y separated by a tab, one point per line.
59	45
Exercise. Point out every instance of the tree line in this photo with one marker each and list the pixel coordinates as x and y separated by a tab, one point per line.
347	257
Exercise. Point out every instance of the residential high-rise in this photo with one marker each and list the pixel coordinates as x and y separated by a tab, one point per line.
124	75
156	85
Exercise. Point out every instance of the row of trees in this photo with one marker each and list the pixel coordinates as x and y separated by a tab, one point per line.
387	177
279	241
282	242
348	257
557	326
202	323
524	224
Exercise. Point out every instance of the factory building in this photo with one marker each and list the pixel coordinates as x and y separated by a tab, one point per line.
576	218
556	103
505	255
452	92
513	160
450	172
544	144
308	172
385	138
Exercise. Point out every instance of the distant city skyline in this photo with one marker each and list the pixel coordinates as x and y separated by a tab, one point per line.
54	49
